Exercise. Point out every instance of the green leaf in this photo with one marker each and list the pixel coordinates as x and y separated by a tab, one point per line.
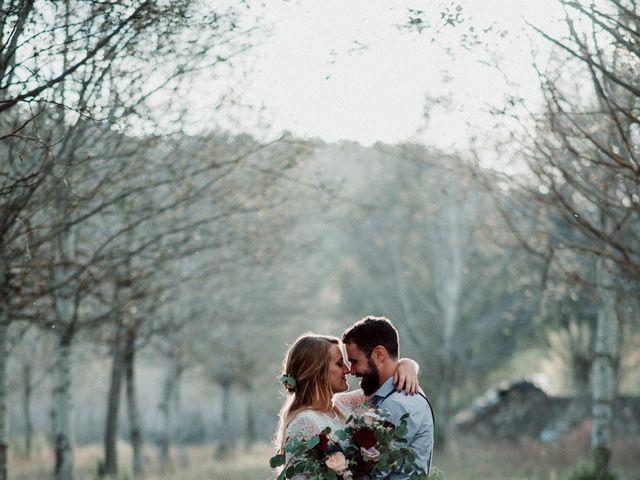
341	435
292	446
290	472
435	474
277	460
313	441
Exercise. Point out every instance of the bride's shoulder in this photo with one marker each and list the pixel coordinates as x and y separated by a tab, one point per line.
304	425
304	416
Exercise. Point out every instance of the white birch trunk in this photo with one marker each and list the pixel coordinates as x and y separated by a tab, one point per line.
166	401
451	287
63	408
604	371
65	330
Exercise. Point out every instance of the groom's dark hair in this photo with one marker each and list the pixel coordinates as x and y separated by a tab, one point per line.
370	332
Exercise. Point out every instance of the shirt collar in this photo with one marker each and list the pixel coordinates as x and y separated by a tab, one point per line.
385	389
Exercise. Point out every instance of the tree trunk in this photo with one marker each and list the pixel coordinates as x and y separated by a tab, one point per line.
251	420
226	441
27	394
604	371
578	409
165	404
63	408
183	456
66	316
581	366
132	404
444	401
113	405
451	287
4	433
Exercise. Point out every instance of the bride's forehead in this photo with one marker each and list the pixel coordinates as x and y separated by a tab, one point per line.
337	351
343	352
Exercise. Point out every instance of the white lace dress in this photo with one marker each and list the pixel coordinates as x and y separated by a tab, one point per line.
308	423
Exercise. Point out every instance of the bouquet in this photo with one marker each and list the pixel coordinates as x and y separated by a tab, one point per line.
368	447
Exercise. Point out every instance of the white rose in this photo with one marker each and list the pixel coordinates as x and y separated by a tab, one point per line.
370	417
370	454
347	475
337	462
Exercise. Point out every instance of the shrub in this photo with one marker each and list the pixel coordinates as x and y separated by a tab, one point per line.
588	472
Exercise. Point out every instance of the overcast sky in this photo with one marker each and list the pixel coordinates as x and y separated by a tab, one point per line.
346	69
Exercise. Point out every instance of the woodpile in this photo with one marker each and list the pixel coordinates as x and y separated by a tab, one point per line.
521	409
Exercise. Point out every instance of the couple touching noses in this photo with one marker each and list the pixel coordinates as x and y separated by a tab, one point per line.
379	364
315	378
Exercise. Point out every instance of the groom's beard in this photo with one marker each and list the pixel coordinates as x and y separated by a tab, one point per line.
370	381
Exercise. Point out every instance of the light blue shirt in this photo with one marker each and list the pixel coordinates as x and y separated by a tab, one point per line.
419	422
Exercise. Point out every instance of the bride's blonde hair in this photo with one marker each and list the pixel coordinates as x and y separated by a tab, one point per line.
307	361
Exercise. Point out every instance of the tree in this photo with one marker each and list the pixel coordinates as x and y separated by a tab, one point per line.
582	157
64	66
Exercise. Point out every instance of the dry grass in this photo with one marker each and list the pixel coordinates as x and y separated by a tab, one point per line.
464	460
529	460
200	463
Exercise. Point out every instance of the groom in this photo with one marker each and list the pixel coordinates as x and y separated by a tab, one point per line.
372	348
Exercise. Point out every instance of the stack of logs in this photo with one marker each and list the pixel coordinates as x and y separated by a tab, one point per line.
521	409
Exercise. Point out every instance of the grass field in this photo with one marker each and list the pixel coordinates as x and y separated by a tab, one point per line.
462	461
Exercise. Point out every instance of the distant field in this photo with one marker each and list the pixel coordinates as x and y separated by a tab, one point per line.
462	462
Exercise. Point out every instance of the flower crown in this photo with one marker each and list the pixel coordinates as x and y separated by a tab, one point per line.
289	382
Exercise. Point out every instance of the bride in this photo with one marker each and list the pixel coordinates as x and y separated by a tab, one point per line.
315	379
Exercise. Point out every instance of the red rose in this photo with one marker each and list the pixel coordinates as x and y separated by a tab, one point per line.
364	438
322	445
388	424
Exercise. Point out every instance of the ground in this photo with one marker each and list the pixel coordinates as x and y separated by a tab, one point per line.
463	461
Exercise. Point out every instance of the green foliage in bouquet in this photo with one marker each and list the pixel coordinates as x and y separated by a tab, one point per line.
313	457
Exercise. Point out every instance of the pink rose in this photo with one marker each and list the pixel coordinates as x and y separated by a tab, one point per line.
370	454
337	462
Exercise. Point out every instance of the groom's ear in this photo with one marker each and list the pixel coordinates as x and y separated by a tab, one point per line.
379	353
